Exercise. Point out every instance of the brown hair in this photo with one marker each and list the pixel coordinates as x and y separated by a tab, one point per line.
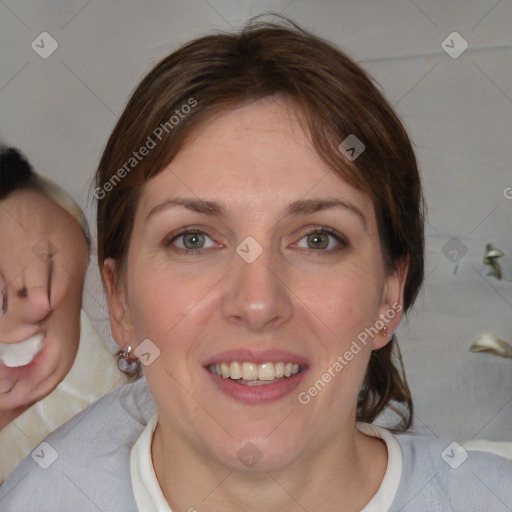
335	98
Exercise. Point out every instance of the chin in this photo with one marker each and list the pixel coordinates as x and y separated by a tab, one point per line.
258	454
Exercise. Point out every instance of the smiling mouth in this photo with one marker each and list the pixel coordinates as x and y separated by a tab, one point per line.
251	374
21	353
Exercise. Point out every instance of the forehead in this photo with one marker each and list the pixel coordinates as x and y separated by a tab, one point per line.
258	153
30	213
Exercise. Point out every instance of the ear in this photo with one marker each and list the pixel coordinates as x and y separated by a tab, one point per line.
392	307
121	322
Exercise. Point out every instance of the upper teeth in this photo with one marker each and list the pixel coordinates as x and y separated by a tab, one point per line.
22	352
252	371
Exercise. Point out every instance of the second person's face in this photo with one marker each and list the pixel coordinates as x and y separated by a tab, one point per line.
43	261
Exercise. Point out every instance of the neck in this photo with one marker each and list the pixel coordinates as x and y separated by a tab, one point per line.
346	470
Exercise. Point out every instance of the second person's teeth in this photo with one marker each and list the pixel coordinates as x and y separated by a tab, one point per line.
21	353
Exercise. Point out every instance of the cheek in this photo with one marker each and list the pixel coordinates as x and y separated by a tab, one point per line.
163	304
67	290
344	300
69	269
64	333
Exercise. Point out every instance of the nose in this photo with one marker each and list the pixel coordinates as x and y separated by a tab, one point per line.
27	299
257	296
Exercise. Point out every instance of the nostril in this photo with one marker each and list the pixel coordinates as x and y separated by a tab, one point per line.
31	303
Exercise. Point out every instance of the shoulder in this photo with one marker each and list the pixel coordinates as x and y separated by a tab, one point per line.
84	464
438	474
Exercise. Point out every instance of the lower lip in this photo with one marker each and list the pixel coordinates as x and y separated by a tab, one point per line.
19	372
260	394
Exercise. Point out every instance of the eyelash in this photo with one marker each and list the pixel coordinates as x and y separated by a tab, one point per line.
323	230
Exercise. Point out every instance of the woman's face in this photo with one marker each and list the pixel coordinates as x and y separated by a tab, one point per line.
43	261
281	264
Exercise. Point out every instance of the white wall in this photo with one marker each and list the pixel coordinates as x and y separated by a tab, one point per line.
60	111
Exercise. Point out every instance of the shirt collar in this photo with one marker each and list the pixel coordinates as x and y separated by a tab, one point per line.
149	496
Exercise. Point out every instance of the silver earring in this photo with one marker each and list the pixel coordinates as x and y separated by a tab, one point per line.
127	362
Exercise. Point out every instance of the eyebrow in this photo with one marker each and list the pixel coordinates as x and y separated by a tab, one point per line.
299	207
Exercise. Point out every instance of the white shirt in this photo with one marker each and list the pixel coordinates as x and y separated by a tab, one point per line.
104	463
149	496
